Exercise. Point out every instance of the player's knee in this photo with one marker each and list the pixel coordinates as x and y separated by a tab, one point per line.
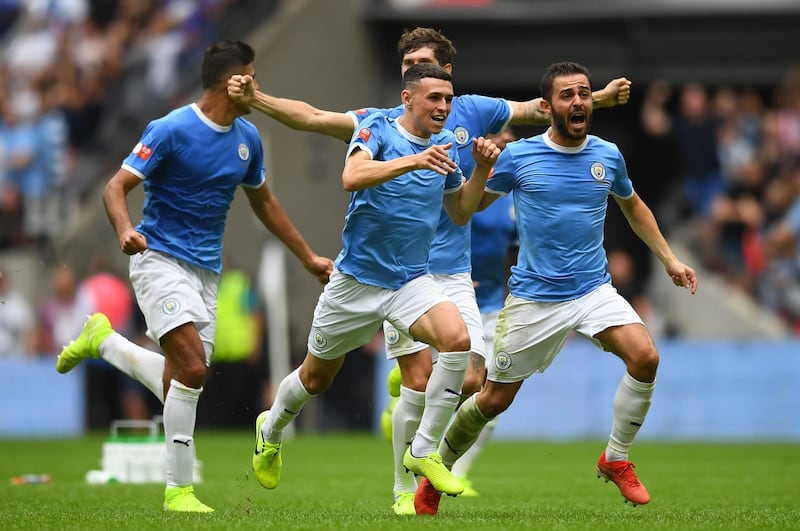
492	404
474	378
455	341
416	379
193	374
643	364
316	383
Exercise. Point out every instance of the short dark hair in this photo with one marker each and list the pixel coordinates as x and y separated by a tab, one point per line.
423	70
557	70
222	59
413	39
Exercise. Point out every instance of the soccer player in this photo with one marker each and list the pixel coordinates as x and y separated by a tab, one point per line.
401	173
471	116
191	162
561	181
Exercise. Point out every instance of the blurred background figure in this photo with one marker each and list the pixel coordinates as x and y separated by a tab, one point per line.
237	387
61	314
17	321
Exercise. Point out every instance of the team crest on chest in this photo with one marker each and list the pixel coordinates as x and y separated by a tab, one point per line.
461	134
598	171
244	152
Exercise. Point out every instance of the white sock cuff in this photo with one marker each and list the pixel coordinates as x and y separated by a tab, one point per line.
180	392
415	398
298	389
454	361
636	385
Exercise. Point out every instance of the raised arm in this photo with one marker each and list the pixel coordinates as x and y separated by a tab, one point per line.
272	215
291	113
361	172
644	224
462	204
531	112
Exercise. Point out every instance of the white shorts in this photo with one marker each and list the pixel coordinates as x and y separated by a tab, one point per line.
489	327
458	288
171	293
349	313
531	334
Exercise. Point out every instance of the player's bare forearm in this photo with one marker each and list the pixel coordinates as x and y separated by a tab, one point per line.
273	216
304	117
530	112
616	92
115	201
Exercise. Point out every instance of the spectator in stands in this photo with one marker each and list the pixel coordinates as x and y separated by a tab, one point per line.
695	128
60	315
780	283
17	320
24	167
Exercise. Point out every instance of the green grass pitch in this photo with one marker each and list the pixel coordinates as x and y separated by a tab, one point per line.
345	482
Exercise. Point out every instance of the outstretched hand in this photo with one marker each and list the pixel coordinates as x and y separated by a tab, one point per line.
437	158
242	89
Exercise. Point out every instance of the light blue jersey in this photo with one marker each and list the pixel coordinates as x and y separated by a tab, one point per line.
560	199
470	116
389	227
493	232
191	168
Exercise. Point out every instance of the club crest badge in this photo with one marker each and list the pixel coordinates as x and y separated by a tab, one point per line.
392	335
461	134
502	361
598	171
244	152
320	341
171	306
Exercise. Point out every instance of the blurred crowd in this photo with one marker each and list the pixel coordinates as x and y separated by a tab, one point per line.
64	66
721	168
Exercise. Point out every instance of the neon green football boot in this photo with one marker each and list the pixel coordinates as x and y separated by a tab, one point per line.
183	500
431	467
86	345
469	490
393	381
386	418
404	505
267	460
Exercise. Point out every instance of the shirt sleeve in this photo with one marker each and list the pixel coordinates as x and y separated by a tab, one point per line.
368	136
154	146
454	180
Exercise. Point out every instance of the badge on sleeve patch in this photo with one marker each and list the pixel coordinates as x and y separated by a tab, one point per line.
364	134
142	151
